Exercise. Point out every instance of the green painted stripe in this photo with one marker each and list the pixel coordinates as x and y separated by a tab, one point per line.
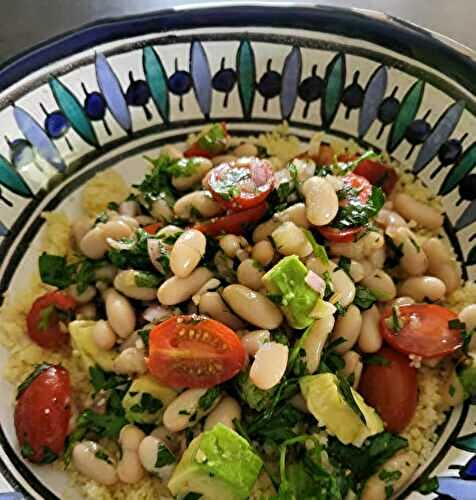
12	180
334	82
458	172
245	63
157	79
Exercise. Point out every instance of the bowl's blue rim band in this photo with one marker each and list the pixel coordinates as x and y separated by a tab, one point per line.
388	32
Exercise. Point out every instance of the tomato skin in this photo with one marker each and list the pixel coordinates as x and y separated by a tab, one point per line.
194	351
51	337
339	235
391	389
214	146
152	228
42	414
425	331
260	179
232	223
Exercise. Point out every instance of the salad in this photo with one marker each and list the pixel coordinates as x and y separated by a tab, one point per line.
240	326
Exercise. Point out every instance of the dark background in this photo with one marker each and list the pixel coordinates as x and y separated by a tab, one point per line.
24	23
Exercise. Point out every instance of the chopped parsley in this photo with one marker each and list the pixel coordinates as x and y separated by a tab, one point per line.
364	297
55	271
112	205
209	398
395	322
47	316
451	390
428	485
456	324
346	392
102	455
396	253
344	264
214	139
376	359
145	279
49	456
319	251
164	456
148	404
388	476
26	450
27	382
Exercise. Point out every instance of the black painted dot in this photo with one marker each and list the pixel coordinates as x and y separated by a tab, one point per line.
311	89
269	85
417	131
450	152
353	96
467	187
388	110
180	83
138	93
224	80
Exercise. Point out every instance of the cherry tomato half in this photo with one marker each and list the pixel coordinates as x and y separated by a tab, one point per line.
389	384
42	413
364	190
375	172
152	228
424	330
194	351
240	184
211	142
233	223
48	318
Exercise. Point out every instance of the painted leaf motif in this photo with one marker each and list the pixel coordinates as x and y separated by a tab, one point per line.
12	180
456	174
38	138
112	92
454	487
440	134
373	97
467	217
290	81
201	76
334	87
73	110
245	63
406	114
471	257
157	79
467	443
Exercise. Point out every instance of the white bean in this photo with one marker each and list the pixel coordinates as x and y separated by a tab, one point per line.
389	218
103	335
423	214
263	252
149	449
86	311
423	287
84	297
187	252
343	286
225	412
161	210
130	221
249	274
80	227
352	250
211	304
126	282
169	438
116	229
441	264
201	201
246	149
322	203
176	290
130	208
253	307
120	313
372	241
381	285
178	415
375	487
403	301
201	167
290	240
264	230
356	271
413	260
230	244
218	160
105	273
347	327
370	339
86	462
130	361
295	213
353	366
129	468
468	316
172	152
93	243
315	340
269	365
252	341
377	258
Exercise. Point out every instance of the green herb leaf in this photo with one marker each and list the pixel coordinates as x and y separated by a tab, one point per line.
26	450
47	316
164	456
112	205
376	359
101	380
213	139
145	279
364	297
389	475
319	251
27	382
344	264
102	455
428	485
207	400
395	322
55	271
456	324
346	392
49	456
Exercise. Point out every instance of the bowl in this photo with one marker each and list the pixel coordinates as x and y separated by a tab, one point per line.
103	96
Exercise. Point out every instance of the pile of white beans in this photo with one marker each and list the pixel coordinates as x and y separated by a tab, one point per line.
427	271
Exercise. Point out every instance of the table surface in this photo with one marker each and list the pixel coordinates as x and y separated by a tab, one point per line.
28	22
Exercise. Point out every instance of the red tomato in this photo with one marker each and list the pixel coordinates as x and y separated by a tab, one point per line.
233	223
211	142
152	228
424	330
347	235
375	172
48	317
194	351
240	184
391	388
42	413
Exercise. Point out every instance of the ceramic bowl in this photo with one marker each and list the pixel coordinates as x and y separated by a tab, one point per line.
105	95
